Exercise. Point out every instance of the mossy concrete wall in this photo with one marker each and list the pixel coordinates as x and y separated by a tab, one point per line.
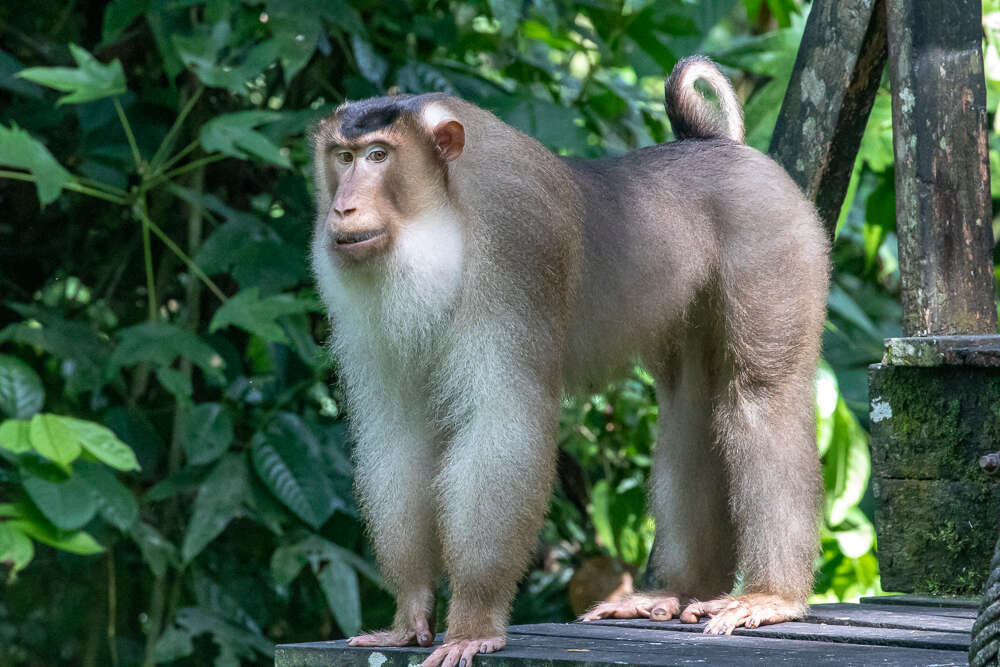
935	410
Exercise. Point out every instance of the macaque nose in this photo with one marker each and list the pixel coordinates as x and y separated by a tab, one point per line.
343	211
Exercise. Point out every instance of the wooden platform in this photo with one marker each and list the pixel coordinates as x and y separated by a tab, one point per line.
900	630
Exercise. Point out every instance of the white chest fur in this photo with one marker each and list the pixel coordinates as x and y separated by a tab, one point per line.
397	305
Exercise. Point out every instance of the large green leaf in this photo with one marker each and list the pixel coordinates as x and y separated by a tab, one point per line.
53	438
339	583
69	504
208	433
102	443
89	80
157	551
237	645
371	65
115	502
161	343
21	391
259	316
16	550
289	460
118	15
220	500
19	149
234	134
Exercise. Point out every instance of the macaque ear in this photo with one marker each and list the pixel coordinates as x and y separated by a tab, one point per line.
449	137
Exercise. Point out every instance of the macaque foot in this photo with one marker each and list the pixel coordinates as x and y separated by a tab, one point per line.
420	635
750	611
654	606
459	653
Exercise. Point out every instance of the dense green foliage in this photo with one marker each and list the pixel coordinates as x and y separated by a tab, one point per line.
175	475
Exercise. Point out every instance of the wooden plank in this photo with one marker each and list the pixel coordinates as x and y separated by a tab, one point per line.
675	649
822	632
942	619
924	601
943	203
829	97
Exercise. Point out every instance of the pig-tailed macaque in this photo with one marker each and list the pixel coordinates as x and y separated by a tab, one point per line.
471	276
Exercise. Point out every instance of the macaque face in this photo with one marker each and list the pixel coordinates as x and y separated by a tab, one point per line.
383	168
363	217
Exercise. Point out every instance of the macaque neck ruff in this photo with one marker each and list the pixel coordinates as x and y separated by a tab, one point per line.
471	276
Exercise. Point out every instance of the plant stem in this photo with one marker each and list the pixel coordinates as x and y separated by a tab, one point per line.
112	608
101	186
128	134
215	157
161	151
139	210
149	224
70	185
177	157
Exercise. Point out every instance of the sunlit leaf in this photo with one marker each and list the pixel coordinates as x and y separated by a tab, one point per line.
15	435
16	550
102	443
52	437
89	80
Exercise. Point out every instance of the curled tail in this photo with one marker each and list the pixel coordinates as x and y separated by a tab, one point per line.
690	114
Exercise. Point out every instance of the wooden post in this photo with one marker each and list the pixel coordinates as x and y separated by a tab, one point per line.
829	98
943	206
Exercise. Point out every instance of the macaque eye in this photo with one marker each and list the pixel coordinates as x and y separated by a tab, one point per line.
377	155
345	157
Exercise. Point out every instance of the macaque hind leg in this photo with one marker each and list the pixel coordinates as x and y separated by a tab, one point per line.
767	436
695	552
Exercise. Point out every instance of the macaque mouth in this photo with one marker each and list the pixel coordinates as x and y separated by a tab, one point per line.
347	239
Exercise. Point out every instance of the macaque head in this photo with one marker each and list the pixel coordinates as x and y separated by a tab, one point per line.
381	163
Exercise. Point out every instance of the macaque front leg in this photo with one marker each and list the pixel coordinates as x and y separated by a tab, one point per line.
494	487
394	468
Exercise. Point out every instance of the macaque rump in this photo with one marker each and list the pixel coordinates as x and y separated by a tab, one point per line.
471	276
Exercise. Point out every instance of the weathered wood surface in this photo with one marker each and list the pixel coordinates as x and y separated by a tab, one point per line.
884	631
829	97
943	204
983	350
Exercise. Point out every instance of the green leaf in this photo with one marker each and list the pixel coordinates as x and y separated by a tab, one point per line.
90	80
16	550
287	561
19	149
160	344
69	504
176	382
259	316
115	502
289	461
15	435
339	583
371	65
31	522
157	551
508	13
233	134
118	15
21	391
102	443
296	33
52	437
208	433
219	501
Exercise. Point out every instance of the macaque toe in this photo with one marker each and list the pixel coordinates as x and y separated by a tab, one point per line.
661	607
459	653
749	611
384	638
